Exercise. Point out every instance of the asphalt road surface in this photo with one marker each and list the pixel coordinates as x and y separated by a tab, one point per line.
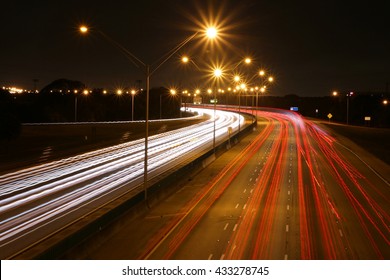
287	191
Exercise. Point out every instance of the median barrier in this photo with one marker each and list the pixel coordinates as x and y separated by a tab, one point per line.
74	241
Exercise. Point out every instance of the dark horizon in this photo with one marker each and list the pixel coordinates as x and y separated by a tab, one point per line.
310	48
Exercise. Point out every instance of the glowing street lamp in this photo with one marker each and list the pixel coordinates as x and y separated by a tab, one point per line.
185	59
83	29
211	32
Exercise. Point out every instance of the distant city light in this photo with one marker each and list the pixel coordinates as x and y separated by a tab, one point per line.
14	90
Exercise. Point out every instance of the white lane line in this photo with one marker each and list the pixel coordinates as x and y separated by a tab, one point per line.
245	191
286	228
244	206
222	257
286	257
288	192
210	257
227	224
237	205
235	227
251	190
250	180
234	248
288	207
341	233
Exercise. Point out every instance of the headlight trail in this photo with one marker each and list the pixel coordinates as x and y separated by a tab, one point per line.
42	198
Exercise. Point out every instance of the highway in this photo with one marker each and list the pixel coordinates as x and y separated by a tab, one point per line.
287	191
38	201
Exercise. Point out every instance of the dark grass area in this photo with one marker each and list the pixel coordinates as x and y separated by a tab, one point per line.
374	140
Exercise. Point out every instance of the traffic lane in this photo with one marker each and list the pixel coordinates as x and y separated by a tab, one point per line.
176	240
212	235
269	229
356	222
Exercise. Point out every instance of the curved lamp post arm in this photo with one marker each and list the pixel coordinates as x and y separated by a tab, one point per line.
172	52
135	60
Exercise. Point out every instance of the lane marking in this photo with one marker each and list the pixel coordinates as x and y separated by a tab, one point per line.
251	190
288	192
234	248
211	255
227	224
235	227
244	206
237	205
341	233
286	257
245	191
222	257
286	228
288	207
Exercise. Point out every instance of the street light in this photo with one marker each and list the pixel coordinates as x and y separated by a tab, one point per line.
75	105
217	76
348	95
83	29
211	32
147	69
133	92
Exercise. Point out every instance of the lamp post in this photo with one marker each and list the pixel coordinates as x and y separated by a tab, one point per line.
217	75
210	32
133	92
85	92
348	95
75	106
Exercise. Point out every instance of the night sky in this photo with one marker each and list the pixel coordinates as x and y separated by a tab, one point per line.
310	47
